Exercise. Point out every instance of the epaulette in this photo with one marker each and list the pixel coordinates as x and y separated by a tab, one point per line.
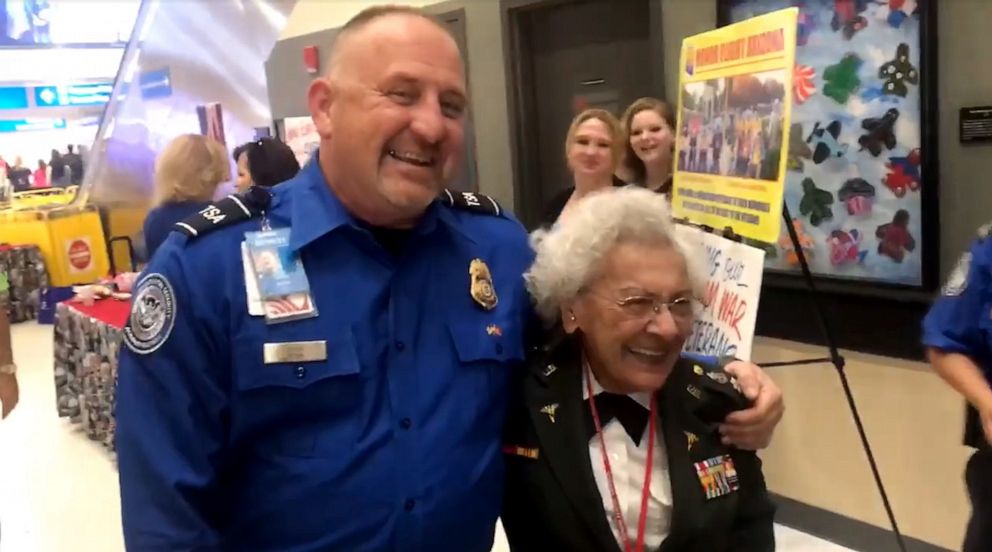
471	201
714	393
230	210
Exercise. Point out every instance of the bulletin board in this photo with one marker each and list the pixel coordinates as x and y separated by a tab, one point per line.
861	179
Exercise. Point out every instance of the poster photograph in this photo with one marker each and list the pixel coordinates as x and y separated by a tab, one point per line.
854	163
733	123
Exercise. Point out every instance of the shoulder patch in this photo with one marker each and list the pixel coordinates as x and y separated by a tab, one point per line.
958	279
153	314
230	210
471	201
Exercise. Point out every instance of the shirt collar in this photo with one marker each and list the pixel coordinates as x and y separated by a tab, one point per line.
643	398
315	209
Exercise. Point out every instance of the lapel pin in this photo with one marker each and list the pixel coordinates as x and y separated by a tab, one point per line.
482	289
550	369
694	391
718	377
550	411
691	438
697	369
495	330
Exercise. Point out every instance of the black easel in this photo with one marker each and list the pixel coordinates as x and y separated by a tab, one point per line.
837	360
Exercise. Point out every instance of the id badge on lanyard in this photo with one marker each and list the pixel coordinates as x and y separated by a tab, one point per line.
278	280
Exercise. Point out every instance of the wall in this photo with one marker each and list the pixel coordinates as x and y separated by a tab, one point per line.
965	192
486	76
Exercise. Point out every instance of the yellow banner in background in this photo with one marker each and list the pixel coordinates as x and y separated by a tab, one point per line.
735	100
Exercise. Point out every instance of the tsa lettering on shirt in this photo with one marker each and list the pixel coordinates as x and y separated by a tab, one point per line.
373	426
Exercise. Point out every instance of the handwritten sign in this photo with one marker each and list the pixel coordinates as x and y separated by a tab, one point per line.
301	137
725	326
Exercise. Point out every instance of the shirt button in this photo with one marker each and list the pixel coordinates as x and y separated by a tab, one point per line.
499	348
399	345
409	504
406	423
301	372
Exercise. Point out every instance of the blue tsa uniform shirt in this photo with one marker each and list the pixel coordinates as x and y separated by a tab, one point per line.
374	425
960	320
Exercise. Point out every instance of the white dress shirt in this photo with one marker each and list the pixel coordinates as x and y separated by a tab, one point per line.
627	462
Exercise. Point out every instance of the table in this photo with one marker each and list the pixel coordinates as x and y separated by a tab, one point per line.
87	342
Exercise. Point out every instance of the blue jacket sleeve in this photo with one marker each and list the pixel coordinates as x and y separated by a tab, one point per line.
954	321
171	409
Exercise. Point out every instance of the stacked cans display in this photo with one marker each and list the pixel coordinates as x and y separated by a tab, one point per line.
25	269
86	372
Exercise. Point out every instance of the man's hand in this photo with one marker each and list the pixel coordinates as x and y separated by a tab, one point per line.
9	394
752	429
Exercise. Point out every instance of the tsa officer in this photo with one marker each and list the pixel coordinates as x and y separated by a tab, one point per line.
958	335
362	408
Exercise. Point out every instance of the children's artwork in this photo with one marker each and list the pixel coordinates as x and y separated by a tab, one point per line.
841	79
854	161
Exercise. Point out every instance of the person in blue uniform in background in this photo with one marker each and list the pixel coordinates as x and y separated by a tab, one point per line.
958	335
365	412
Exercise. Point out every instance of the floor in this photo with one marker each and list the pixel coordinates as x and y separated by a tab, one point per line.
58	490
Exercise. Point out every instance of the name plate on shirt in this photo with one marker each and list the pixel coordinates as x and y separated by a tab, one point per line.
295	351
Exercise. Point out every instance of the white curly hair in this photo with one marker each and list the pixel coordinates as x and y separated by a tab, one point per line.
568	254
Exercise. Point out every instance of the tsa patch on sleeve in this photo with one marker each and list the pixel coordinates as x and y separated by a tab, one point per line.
153	313
958	280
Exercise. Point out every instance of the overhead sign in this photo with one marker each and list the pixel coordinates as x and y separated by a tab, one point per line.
735	101
13	97
18	125
73	94
155	84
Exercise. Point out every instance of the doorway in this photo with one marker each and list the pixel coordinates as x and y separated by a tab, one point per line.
467	180
565	57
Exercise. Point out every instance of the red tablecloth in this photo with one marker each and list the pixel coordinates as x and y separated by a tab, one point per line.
108	311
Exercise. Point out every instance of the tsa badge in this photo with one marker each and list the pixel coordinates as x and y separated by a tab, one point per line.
482	289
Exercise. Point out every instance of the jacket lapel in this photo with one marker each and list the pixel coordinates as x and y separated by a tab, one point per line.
556	409
687	496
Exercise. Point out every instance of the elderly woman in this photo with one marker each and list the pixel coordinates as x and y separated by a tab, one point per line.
187	174
612	441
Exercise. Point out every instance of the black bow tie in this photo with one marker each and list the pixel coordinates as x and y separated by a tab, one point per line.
631	414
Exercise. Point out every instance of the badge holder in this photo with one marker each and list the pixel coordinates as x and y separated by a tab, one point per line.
280	281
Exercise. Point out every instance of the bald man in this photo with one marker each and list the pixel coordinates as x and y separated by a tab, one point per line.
358	408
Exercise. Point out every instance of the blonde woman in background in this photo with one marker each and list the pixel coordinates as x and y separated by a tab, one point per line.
593	147
187	174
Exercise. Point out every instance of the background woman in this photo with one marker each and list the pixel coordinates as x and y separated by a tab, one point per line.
264	162
593	148
649	141
187	174
612	436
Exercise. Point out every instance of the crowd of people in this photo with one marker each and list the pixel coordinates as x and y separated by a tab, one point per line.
61	170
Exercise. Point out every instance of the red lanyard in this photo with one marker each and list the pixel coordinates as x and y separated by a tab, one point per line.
617	512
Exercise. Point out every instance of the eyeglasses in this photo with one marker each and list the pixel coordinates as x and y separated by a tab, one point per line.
642	307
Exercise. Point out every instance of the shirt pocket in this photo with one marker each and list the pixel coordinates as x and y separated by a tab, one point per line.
488	349
296	408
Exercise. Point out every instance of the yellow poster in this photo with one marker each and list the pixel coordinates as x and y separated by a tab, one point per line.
735	98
